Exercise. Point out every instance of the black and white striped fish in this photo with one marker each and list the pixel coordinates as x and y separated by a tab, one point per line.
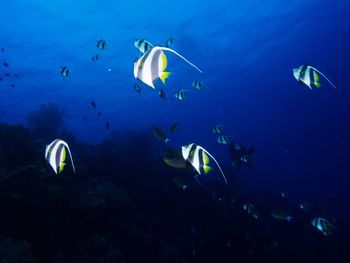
142	45
169	42
151	66
324	226
218	129
224	139
55	154
65	71
162	94
138	88
101	44
309	76
180	95
251	210
198	157
198	84
95	57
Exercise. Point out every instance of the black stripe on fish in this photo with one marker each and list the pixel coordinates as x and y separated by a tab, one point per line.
303	72
201	161
49	150
155	65
192	151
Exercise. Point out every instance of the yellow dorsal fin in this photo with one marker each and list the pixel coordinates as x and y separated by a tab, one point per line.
316	79
206	159
63	158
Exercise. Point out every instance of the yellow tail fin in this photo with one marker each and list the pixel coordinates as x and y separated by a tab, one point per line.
207	169
163	76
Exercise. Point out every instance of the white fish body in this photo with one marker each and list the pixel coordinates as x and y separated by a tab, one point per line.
55	154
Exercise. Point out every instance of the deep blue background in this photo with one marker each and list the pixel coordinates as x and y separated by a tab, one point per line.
247	50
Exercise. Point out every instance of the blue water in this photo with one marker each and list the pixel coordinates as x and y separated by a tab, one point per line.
246	49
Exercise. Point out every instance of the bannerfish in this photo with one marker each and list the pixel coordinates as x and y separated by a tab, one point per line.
169	42
138	88
180	183
159	134
93	104
101	44
284	194
198	157
95	57
107	125
162	94
173	128
198	84
218	129
142	45
180	95
309	76
251	210
305	206
324	226
55	155
152	65
224	139
65	71
174	159
6	64
281	215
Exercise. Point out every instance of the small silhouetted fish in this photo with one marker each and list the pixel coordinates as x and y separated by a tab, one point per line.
93	104
7	74
1	79
2	111
16	75
84	118
13	85
99	114
107	125
2	50
95	57
5	64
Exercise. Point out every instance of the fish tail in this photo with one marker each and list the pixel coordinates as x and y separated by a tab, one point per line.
222	173
163	76
207	169
173	51
319	72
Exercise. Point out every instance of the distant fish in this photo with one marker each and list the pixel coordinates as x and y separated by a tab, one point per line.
7	74
6	64
65	71
251	210
13	85
174	159
284	194
309	76
173	128
151	66
15	75
218	129
55	155
198	157
198	84
180	95
101	44
281	215
99	114
84	118
1	79
305	206
142	45
162	94
169	42
2	50
324	226
95	57
180	183
93	104
223	139
160	135
138	88
107	125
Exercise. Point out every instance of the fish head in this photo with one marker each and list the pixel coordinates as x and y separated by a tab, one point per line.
296	72
186	151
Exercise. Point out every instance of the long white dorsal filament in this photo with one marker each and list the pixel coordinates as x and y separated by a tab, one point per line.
216	164
70	155
330	82
173	51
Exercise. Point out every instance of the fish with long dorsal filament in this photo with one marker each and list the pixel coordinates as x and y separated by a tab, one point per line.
55	155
